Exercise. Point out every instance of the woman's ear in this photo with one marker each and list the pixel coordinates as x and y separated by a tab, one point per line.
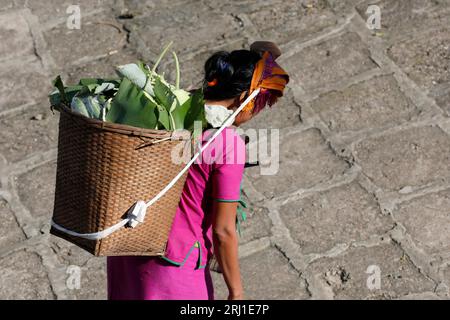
243	96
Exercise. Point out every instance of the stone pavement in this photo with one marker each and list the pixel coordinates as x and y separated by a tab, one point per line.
364	174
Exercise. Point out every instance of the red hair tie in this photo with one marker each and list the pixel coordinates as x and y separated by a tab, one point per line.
212	83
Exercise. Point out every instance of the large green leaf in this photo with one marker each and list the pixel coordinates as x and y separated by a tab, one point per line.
60	87
163	93
104	87
179	114
105	109
92	104
97	81
87	86
196	111
135	74
77	105
163	117
131	107
181	95
90	81
69	92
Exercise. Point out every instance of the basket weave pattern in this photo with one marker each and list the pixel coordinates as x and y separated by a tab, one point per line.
101	173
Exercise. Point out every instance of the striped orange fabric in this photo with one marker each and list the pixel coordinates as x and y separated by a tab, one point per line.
272	80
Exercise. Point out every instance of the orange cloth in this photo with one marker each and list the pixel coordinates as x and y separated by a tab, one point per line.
272	80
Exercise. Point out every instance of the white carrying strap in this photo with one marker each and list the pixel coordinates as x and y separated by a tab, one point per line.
137	213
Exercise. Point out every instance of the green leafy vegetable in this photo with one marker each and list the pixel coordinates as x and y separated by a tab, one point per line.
196	111
140	97
130	106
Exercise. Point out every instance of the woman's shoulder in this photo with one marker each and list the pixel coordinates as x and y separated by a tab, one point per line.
229	136
228	147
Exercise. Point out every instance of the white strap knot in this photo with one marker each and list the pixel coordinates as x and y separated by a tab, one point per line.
137	213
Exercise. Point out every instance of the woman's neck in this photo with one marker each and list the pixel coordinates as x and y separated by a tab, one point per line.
226	103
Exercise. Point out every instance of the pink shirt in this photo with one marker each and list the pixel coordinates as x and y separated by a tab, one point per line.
216	175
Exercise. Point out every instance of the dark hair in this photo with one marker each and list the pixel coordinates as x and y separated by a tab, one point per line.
232	72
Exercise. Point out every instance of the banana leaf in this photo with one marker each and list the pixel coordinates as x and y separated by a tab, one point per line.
88	105
163	93
62	94
85	87
196	111
56	98
104	87
93	106
181	95
137	75
163	118
179	114
97	81
130	106
78	106
106	106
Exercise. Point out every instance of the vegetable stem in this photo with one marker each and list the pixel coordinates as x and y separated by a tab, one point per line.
177	68
172	120
163	53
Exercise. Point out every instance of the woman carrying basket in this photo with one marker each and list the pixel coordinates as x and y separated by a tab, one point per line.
205	221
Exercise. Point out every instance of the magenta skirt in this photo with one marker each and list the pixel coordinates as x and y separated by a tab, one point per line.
152	278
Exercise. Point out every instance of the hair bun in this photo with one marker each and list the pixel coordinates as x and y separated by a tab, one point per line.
228	74
219	67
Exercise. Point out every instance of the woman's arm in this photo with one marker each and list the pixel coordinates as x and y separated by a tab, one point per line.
226	246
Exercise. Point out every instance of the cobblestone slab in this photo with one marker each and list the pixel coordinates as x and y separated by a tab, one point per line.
330	61
338	216
28	132
54	12
421	296
345	8
285	113
104	67
31	82
261	282
67	253
288	21
93	281
37	190
346	275
98	37
409	157
200	26
447	276
372	104
15	36
257	224
10	233
72	262
245	7
305	160
403	19
426	60
417	35
24	277
427	220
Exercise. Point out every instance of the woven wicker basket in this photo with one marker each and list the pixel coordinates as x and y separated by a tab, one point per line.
102	170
